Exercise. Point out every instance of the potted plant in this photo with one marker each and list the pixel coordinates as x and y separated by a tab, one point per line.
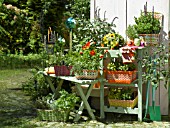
60	63
87	62
93	30
56	110
113	40
131	32
122	97
44	112
148	26
66	101
118	72
133	36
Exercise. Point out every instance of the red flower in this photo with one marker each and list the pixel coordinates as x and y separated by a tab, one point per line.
101	56
81	53
86	46
92	53
105	51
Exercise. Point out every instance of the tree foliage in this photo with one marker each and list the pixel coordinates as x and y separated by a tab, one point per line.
24	23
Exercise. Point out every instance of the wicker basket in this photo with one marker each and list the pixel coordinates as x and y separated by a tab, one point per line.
151	39
121	77
87	74
53	115
123	103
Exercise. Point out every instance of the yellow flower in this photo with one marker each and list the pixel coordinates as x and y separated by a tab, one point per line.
105	39
114	44
112	35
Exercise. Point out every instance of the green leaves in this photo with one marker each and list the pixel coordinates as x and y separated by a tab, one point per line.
131	32
146	24
155	64
1	2
66	101
92	30
118	66
121	93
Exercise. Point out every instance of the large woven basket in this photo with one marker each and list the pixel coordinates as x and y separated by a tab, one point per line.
87	74
121	77
53	115
123	103
151	39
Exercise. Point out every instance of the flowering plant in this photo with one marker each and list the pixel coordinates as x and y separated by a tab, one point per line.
88	57
113	40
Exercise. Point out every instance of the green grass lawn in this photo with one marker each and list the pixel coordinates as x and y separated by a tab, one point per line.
16	109
13	78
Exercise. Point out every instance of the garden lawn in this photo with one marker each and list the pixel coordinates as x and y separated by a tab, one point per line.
16	109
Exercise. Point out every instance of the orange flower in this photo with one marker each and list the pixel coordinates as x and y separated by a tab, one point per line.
86	46
92	53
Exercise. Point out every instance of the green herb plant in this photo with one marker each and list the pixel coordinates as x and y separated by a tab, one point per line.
131	32
118	66
94	30
146	23
66	101
121	94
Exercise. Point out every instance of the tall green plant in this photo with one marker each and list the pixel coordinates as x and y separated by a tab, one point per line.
91	30
155	62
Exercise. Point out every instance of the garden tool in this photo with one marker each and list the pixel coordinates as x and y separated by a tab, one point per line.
154	111
147	101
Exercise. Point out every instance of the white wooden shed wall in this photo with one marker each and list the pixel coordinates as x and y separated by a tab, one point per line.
125	10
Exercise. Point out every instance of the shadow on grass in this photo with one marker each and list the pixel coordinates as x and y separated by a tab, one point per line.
13	117
16	110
